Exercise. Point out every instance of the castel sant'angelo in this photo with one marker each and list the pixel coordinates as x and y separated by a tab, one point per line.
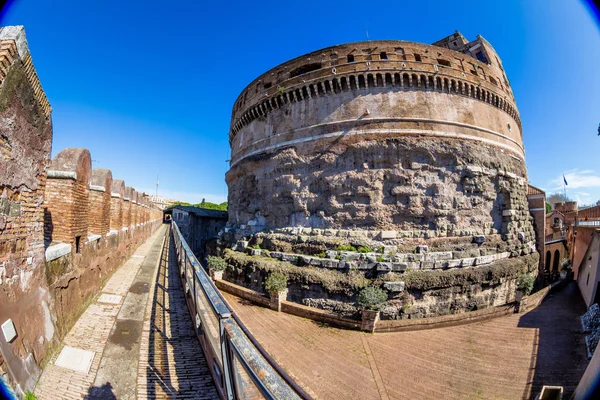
387	163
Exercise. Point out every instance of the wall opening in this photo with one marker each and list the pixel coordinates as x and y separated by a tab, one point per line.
443	62
383	55
548	259
350	58
418	57
555	262
305	69
77	244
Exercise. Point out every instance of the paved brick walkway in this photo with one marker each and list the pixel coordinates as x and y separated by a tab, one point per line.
91	332
505	358
144	346
172	363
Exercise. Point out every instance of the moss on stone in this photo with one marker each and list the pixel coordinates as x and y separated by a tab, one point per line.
332	281
504	269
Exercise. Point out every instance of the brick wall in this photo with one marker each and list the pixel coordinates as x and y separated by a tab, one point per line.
44	202
536	199
66	205
116	204
127	207
25	144
99	205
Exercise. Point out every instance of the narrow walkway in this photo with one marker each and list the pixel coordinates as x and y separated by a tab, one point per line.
172	363
505	358
126	347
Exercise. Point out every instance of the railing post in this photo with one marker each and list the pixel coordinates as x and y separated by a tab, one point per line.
227	361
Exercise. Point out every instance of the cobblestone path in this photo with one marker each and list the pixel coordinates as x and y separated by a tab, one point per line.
505	358
172	364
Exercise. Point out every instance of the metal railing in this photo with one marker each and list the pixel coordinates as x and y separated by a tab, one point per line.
238	367
587	223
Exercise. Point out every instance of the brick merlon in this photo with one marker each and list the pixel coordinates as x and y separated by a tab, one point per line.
75	160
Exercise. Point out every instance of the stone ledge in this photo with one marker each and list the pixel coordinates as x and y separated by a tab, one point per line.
97	188
92	238
57	251
62	174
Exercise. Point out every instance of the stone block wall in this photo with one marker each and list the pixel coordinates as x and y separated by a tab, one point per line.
100	195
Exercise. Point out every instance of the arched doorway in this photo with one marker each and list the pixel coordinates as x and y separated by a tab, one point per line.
555	262
548	259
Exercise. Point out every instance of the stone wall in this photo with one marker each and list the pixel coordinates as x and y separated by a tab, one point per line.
50	265
411	293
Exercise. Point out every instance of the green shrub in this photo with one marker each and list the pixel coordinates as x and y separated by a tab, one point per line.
372	298
216	263
256	246
322	255
525	283
30	396
380	259
276	282
381	249
346	248
365	249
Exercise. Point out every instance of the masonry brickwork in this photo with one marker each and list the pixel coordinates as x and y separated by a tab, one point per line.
411	153
56	248
116	204
100	190
25	144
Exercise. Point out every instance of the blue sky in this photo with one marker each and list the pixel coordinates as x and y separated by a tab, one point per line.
148	86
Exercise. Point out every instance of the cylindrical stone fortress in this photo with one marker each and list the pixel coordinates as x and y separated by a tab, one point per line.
398	142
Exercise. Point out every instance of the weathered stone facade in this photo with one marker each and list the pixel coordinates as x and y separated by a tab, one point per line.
400	148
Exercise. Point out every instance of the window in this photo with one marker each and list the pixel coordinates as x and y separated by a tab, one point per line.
350	58
383	55
418	57
493	81
454	44
481	57
267	85
443	62
77	244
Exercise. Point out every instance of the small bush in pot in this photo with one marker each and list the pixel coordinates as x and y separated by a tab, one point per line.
216	263
525	283
372	298
276	282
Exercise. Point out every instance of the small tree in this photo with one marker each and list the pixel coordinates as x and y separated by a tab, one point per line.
525	283
372	298
276	282
216	263
548	208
